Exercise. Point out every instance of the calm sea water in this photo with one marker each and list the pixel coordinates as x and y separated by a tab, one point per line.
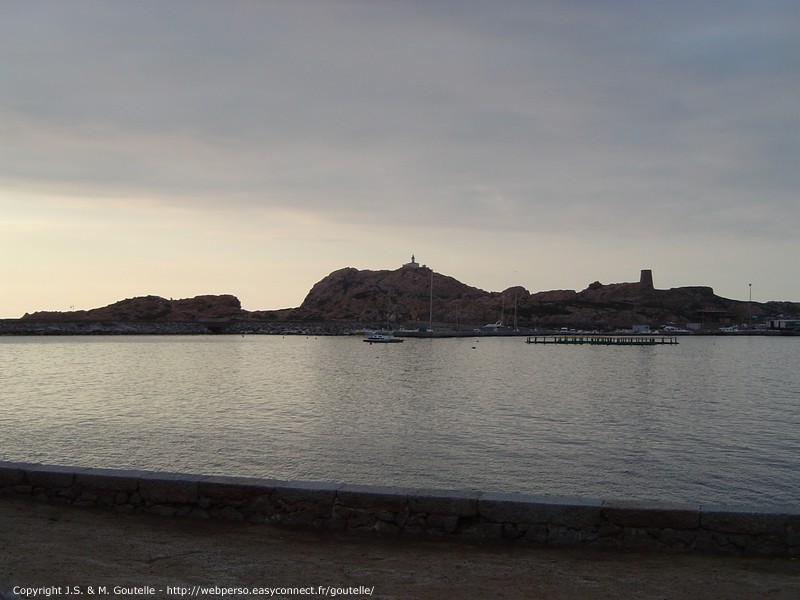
712	420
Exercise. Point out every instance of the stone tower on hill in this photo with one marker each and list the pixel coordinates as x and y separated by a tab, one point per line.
646	279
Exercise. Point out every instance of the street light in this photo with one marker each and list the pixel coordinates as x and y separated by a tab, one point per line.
750	305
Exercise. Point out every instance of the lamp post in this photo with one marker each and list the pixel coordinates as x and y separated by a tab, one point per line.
750	306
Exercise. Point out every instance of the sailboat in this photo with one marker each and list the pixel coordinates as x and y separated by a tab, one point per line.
382	336
499	323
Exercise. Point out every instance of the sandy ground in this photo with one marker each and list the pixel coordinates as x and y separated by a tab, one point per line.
44	545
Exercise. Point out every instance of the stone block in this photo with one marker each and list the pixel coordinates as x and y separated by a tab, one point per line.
412	524
563	536
307	494
483	531
219	487
768	545
11	474
263	505
740	541
609	530
499	507
7	464
231	514
708	541
537	533
388	529
678	538
69	493
50	476
378	498
387	515
162	510
444	502
303	502
576	513
445	523
106	499
198	513
169	487
749	523
512	532
342	512
304	519
361	520
635	538
257	518
647	514
107	479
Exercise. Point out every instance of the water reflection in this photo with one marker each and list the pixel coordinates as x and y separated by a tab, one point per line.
710	420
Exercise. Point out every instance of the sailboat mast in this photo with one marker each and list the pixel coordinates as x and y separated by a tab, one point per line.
515	311
430	317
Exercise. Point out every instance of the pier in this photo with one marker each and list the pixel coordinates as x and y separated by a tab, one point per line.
604	340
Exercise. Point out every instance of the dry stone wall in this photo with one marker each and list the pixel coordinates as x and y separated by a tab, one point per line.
401	511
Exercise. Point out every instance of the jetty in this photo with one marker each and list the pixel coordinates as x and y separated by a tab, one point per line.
604	340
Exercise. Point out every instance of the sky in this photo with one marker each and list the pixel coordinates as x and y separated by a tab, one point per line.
179	147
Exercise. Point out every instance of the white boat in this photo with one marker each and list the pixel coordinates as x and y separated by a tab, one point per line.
382	338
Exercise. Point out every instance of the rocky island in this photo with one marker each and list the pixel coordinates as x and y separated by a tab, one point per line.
414	297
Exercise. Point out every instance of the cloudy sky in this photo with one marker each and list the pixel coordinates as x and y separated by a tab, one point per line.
187	147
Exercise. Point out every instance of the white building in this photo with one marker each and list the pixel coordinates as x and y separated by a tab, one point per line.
411	265
783	323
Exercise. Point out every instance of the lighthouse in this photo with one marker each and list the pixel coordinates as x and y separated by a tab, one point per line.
411	265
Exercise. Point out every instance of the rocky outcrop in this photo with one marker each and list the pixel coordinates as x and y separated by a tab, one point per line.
153	309
407	297
403	296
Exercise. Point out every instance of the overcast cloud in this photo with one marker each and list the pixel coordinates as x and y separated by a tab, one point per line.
525	118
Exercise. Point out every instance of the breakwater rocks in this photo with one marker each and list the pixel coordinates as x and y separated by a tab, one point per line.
400	511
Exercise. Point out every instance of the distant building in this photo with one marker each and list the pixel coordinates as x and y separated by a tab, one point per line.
784	324
714	314
646	279
411	265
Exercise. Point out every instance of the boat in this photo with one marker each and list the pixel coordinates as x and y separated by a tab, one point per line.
382	338
493	326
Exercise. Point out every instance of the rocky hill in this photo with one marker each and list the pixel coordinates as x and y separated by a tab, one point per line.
403	297
153	309
410	296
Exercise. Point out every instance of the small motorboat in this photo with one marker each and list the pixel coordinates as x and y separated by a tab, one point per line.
382	338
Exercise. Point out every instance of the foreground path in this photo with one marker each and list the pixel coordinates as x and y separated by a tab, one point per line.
51	546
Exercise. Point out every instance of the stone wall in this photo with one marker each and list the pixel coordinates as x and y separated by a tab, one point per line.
400	511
